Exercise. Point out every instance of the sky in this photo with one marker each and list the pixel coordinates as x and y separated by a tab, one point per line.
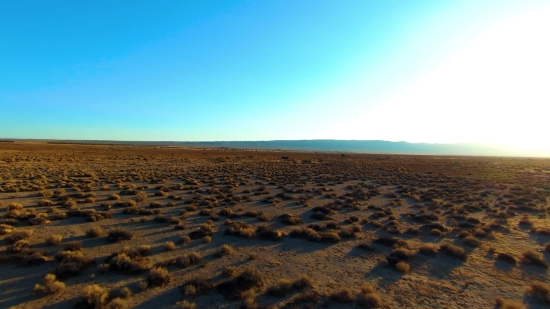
465	71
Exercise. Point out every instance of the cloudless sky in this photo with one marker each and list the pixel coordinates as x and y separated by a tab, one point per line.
419	71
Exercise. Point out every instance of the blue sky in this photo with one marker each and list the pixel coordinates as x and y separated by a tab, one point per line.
261	70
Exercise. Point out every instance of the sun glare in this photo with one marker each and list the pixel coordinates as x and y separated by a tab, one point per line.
494	90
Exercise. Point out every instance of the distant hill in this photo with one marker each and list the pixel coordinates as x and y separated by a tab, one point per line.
366	146
372	146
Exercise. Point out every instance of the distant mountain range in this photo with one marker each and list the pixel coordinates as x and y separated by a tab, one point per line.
366	146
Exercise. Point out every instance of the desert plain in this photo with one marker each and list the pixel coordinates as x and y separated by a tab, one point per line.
130	226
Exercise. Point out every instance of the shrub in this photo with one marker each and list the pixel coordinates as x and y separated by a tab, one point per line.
534	258
155	205
125	292
5	229
248	279
144	250
186	260
169	246
240	229
403	267
225	250
427	249
329	237
540	290
509	304
196	286
54	240
95	295
290	219
125	263
117	303
114	197
45	202
368	298
71	263
19	235
453	250
343	295
14	206
472	241
50	285
207	239
95	232
158	276
230	272
118	235
185	239
187	305
284	286
19	245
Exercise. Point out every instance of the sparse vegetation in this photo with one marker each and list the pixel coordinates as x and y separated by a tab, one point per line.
373	215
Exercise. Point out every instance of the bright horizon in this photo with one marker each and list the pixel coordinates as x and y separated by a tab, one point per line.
418	71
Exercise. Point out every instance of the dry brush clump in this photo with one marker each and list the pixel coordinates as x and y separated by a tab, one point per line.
6	229
240	229
54	239
250	278
453	250
95	232
50	285
368	298
128	260
118	235
225	250
534	258
19	235
95	296
158	276
196	286
71	263
285	286
508	304
540	290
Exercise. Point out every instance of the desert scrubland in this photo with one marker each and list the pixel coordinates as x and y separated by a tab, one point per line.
101	226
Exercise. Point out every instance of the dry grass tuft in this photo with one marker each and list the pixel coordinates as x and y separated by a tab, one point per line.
54	240
187	305
540	290
535	258
368	298
225	250
95	232
343	295
509	304
453	250
19	235
118	235
285	286
158	276
169	246
95	295
50	285
403	267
